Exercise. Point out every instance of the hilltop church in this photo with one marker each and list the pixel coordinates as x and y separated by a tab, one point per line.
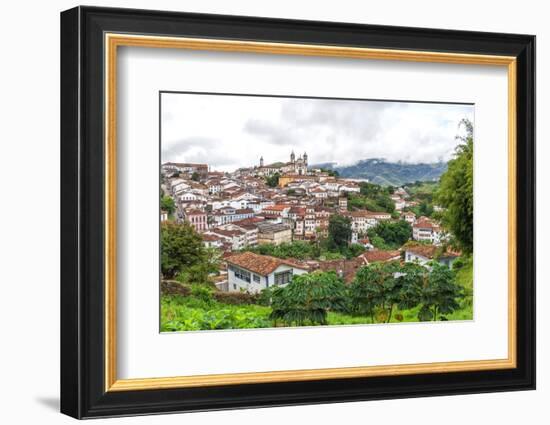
295	166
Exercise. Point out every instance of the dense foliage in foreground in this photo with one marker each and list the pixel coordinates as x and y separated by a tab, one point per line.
376	296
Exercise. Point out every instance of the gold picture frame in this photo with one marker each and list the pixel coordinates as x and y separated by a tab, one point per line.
114	41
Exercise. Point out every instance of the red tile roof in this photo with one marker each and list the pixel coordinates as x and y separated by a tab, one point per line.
429	251
378	255
278	207
262	264
425	223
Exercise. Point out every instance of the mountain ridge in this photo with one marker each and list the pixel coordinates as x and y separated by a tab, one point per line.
382	172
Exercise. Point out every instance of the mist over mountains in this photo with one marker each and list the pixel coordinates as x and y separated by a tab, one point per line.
386	173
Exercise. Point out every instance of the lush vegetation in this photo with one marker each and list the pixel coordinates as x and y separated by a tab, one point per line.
301	250
272	181
167	204
331	172
372	197
380	293
339	232
390	235
464	270
192	314
183	255
455	193
308	299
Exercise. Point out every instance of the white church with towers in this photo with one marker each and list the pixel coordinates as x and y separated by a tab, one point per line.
295	166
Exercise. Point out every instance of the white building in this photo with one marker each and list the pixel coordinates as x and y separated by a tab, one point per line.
426	230
250	229
235	238
423	254
409	217
253	272
229	215
361	221
350	187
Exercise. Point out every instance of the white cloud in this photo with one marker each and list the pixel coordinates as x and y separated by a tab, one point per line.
229	131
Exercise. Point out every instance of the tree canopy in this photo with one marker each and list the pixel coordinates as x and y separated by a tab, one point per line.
272	181
391	235
182	249
167	204
339	232
308	298
379	287
455	193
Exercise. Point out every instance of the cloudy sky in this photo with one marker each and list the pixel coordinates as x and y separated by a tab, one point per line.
228	132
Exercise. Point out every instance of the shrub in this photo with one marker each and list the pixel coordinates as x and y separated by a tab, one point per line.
201	292
458	264
236	298
308	298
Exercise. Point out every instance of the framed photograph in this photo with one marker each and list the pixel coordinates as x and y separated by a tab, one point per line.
261	212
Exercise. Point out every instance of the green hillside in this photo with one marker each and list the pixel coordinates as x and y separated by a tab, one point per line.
392	173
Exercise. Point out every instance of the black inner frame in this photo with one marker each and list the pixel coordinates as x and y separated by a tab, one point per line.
82	212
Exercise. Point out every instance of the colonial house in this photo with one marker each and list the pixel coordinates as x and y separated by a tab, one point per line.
332	185
253	272
179	185
249	227
275	211
212	240
423	254
236	238
229	215
426	230
315	220
343	204
361	220
197	218
259	205
350	187
191	196
399	202
274	233
319	193
237	202
381	215
193	205
214	186
409	217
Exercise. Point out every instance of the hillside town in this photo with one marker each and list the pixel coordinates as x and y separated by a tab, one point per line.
283	202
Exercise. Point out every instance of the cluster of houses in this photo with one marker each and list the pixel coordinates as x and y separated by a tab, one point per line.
236	210
250	272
